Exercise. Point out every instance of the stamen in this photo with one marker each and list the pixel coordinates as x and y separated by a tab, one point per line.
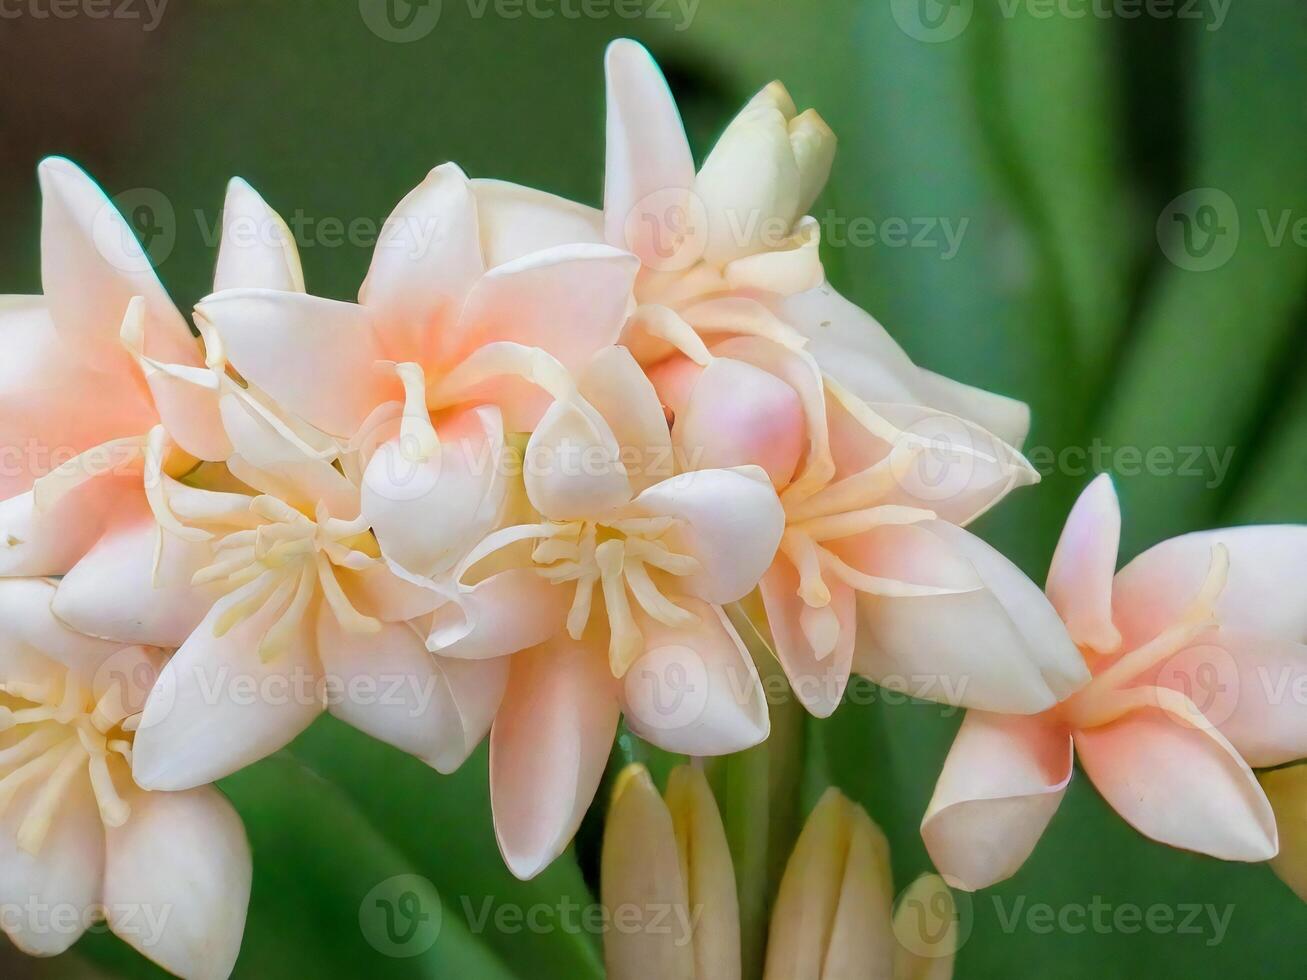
802	552
350	619
36	824
864	489
625	643
270	584
40	766
654	554
821	628
114	810
876	585
156	486
651	600
277	639
31	746
418	441
836	526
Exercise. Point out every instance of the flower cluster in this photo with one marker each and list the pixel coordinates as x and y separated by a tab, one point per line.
543	472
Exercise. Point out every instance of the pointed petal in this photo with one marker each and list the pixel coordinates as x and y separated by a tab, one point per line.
731	522
315	357
648	168
695	690
426	259
1176	779
1001	784
38	891
217	707
177	881
998	648
1263	593
818	681
641	870
548	749
257	250
1080	576
92	266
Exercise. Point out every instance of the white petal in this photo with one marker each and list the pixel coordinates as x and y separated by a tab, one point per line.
516	221
257	250
177	881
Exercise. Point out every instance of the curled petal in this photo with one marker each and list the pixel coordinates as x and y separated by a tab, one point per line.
731	523
1001	784
502	614
517	220
257	249
695	689
618	389
573	468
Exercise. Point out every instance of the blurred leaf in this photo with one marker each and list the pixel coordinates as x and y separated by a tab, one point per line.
443	825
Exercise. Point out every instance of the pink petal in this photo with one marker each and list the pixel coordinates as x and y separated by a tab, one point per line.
1080	576
695	690
1263	593
548	749
502	614
32	639
1253	688
818	682
1176	779
315	357
426	259
648	168
739	414
388	685
732	524
52	541
186	854
217	707
570	300
1001	784
257	250
92	266
40	425
573	467
998	648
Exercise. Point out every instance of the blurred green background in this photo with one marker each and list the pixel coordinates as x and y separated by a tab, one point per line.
1011	198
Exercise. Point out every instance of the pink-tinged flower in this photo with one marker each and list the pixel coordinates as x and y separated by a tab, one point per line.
874	498
729	251
267	577
92	369
1195	648
170	871
607	586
